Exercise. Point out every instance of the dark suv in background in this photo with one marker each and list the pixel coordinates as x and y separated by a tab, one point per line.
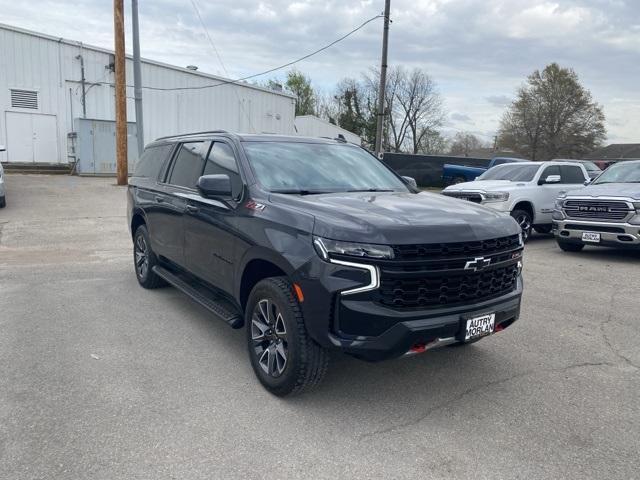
314	244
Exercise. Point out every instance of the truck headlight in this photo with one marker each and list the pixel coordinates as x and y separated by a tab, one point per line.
325	247
495	196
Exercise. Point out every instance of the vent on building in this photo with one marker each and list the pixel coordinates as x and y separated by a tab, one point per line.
24	99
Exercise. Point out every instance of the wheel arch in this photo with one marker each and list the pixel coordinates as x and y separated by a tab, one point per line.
527	206
138	218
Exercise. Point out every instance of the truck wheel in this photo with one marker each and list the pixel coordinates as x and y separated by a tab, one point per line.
3	202
570	247
524	220
457	180
283	356
544	229
144	260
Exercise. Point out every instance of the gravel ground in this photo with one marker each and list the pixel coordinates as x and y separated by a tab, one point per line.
101	379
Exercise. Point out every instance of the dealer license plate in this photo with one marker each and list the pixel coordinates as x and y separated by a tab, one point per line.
591	237
480	326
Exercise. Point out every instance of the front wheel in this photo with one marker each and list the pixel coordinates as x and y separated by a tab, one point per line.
570	247
3	202
144	260
283	356
525	221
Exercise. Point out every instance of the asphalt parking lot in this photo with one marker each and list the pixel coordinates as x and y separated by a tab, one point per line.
101	379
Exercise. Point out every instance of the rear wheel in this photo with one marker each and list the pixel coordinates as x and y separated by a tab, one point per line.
570	247
144	260
544	229
3	202
525	221
283	356
458	180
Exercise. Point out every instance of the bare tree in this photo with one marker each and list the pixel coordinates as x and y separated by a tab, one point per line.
553	116
464	143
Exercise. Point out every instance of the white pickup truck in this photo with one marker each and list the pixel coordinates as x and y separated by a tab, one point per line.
526	191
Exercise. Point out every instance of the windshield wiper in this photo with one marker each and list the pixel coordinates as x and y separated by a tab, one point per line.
299	191
372	190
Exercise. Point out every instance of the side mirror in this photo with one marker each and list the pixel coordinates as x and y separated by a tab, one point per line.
588	181
214	186
2	148
550	179
411	181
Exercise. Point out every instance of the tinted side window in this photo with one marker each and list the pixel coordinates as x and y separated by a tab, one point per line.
571	174
553	170
151	161
501	162
187	167
221	160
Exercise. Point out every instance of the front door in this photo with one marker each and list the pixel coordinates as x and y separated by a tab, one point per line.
210	224
31	138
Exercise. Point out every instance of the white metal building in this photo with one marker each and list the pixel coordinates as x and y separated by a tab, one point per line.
41	98
312	126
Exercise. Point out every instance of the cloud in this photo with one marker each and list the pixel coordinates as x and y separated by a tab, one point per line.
461	117
499	101
478	51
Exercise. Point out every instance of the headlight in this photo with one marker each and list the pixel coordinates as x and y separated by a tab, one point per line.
636	205
325	247
496	196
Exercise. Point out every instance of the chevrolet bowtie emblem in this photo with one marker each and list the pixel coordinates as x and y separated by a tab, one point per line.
477	264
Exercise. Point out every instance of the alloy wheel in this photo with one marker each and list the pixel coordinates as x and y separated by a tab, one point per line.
269	337
141	256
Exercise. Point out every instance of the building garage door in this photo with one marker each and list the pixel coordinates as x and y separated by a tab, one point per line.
31	138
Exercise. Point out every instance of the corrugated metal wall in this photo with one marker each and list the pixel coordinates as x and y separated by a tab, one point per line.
312	126
51	67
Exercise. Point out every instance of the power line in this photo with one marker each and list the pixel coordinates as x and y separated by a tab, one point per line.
235	90
227	82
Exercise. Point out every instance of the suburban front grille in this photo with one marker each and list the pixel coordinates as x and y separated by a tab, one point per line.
432	251
448	274
597	209
474	197
446	290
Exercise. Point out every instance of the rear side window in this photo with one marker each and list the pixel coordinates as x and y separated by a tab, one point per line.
571	174
151	161
188	165
221	160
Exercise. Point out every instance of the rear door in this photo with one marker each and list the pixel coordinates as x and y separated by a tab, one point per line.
171	203
210	224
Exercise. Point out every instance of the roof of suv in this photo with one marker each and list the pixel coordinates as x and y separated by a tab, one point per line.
252	137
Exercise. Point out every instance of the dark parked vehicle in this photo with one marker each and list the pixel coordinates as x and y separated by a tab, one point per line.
314	244
454	174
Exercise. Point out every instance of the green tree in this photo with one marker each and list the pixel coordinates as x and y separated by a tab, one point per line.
553	116
300	85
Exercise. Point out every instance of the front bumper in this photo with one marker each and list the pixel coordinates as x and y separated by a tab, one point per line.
368	330
621	235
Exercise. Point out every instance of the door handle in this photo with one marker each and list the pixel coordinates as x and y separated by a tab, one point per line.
192	209
159	199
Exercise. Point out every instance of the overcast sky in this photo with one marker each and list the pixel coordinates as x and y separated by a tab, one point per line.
478	51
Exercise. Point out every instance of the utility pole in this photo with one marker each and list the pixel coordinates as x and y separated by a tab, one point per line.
83	82
121	93
137	76
383	78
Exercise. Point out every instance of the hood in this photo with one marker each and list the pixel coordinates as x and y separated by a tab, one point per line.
484	185
399	218
629	190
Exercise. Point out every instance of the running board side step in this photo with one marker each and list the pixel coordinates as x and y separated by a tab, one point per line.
216	304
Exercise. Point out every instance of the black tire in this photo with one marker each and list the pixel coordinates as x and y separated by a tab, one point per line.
144	261
3	202
543	229
569	246
525	221
275	330
457	180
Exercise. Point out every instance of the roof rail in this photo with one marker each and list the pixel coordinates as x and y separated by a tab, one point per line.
340	138
192	133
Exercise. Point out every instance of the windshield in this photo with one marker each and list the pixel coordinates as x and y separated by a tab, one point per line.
591	167
515	172
294	167
620	173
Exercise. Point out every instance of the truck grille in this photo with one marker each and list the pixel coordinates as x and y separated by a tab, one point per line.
470	196
597	209
434	276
